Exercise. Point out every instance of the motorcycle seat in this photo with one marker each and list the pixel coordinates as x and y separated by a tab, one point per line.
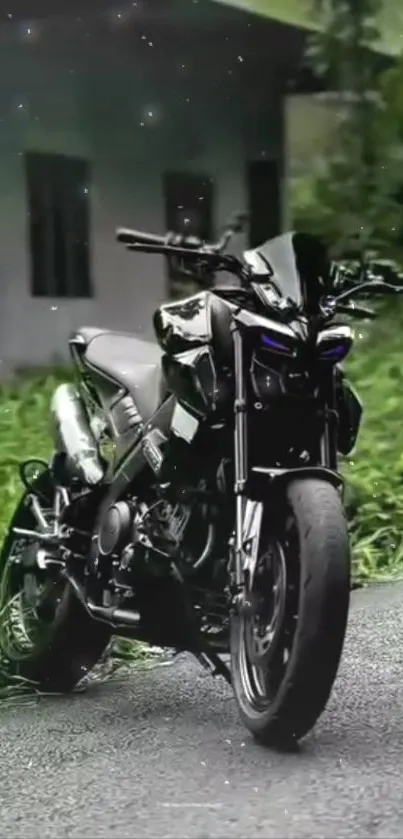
127	361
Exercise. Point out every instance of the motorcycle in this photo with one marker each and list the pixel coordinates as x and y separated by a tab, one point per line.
193	498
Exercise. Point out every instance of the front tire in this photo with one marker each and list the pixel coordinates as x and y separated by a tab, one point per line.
307	532
50	641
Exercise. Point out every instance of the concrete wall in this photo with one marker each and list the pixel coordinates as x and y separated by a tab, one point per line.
87	88
311	121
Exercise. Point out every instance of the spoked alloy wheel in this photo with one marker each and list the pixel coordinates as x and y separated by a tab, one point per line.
263	629
286	649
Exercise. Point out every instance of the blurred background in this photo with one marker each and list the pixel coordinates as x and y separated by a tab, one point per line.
155	114
172	114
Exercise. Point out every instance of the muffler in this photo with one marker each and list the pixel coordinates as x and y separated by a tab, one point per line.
74	437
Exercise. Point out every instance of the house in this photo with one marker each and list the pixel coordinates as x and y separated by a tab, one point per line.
153	114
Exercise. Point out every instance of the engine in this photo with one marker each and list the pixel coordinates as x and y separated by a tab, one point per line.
139	543
117	529
132	532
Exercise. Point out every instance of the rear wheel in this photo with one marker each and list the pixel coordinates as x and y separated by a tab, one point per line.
285	654
46	636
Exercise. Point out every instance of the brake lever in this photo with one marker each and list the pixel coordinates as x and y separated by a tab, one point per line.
356	311
331	307
393	289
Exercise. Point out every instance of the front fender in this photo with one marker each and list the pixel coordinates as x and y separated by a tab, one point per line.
262	480
261	483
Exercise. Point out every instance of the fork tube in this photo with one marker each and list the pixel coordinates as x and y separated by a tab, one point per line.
328	443
241	455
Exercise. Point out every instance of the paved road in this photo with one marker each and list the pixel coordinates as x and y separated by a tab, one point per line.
162	754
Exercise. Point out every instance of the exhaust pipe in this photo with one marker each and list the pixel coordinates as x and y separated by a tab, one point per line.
74	436
112	615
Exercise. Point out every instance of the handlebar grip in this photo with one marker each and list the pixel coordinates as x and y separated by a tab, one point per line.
138	237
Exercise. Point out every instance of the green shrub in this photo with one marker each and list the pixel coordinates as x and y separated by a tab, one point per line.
375	473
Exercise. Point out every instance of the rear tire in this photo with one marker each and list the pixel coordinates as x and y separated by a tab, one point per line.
54	654
316	560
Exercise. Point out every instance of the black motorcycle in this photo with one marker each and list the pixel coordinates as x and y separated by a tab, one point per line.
193	499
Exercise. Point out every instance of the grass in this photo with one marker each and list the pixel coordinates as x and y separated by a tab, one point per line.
374	475
375	472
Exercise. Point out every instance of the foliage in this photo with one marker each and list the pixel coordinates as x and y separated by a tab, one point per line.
352	201
375	472
353	197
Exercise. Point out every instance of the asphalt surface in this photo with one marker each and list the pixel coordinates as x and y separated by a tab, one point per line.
163	754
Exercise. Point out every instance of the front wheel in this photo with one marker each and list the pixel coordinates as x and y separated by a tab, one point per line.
285	654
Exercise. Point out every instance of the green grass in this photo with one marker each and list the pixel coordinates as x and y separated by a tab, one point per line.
374	474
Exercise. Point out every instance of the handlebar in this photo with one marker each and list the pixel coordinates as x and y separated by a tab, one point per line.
140	240
138	237
375	271
205	258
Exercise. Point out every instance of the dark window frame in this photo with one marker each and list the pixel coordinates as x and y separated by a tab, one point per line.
58	188
263	195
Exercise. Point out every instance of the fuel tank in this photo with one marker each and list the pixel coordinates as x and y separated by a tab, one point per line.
197	382
196	338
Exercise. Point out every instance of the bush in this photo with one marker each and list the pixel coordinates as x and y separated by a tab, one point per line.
375	473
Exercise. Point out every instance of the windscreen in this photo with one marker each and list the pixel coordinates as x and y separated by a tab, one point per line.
295	265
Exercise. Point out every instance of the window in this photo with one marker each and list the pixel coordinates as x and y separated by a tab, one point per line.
264	199
189	209
58	204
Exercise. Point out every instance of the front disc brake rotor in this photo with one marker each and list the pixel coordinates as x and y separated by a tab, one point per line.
267	599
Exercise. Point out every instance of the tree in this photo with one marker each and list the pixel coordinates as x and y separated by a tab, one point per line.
352	200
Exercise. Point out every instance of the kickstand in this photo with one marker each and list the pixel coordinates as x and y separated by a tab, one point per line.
213	663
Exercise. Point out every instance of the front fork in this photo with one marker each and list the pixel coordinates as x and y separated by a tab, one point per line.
240	455
248	514
328	443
